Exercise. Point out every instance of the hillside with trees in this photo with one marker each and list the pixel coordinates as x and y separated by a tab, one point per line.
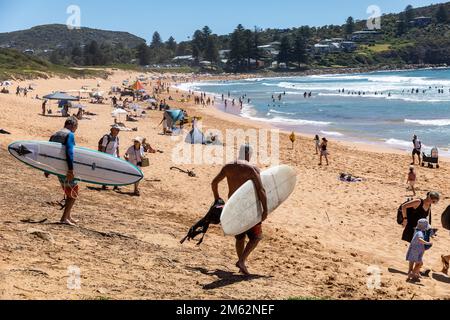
416	36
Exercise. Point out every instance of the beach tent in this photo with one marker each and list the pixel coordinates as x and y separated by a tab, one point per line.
195	137
60	96
137	86
173	116
6	83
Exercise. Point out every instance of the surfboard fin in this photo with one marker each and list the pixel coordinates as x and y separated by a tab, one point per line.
21	150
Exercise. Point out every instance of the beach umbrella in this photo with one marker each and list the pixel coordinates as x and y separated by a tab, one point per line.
118	112
60	96
137	86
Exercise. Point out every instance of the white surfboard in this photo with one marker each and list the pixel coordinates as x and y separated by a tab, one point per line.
243	210
89	166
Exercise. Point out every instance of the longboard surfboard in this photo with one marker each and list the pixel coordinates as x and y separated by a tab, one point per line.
89	166
243	210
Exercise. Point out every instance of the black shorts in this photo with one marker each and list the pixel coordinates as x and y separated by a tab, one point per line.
416	152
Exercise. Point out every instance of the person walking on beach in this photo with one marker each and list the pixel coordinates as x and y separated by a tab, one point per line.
415	210
44	106
412	178
317	144
66	137
324	151
110	144
237	174
417	249
417	150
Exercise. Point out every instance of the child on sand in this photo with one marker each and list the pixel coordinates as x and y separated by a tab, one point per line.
412	178
417	250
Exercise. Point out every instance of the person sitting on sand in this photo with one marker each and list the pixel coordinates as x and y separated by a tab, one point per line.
66	137
237	174
147	147
416	250
412	178
134	155
417	150
324	151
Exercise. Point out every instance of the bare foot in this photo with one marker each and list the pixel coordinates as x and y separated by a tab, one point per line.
73	221
67	223
242	268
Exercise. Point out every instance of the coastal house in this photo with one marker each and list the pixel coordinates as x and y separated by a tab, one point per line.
335	45
420	22
183	59
269	50
366	36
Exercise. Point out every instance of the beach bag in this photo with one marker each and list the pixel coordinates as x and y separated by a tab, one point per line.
400	213
446	219
100	142
201	227
427	237
145	162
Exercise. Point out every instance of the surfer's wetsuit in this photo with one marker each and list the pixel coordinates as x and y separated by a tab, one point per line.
67	138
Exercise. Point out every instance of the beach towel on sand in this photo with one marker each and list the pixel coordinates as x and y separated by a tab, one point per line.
201	227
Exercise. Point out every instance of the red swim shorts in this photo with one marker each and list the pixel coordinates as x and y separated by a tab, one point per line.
254	233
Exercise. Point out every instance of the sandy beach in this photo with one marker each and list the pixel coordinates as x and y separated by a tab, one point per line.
323	243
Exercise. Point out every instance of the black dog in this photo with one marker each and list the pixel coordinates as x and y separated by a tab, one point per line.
212	217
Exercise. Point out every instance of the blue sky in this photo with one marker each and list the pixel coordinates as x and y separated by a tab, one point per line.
181	18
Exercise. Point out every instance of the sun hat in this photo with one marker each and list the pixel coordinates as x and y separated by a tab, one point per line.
423	225
138	139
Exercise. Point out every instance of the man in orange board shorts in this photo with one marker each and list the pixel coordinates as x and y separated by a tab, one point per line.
237	174
66	137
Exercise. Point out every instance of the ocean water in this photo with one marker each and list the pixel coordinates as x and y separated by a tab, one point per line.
379	107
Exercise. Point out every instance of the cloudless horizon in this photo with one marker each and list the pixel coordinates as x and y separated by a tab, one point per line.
181	18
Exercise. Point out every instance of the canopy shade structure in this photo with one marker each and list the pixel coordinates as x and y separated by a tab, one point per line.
6	83
137	86
60	96
175	115
118	112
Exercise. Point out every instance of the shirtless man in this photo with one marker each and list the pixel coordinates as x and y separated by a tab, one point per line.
237	174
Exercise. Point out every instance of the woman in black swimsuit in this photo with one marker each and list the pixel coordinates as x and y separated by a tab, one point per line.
415	210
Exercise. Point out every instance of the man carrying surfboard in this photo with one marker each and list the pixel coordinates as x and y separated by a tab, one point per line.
237	174
66	137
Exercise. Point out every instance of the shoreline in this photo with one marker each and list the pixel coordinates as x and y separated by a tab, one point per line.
361	143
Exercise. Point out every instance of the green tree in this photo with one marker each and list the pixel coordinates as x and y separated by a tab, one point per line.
299	52
171	44
143	54
156	40
211	52
284	55
402	25
442	14
237	48
350	26
197	45
409	13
